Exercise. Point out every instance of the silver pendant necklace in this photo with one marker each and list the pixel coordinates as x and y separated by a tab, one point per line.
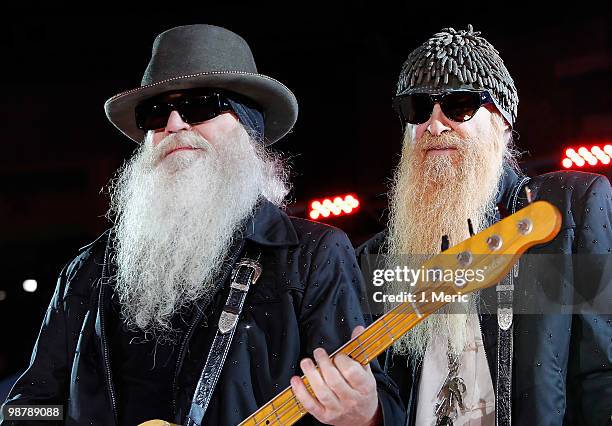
450	395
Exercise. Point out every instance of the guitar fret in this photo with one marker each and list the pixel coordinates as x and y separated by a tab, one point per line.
299	406
370	341
372	348
387	328
358	343
275	412
416	310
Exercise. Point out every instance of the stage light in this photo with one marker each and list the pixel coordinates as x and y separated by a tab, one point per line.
30	286
2	295
352	201
600	155
338	205
586	154
575	158
581	156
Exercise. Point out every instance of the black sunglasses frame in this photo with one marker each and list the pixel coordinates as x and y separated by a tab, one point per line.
219	104
400	103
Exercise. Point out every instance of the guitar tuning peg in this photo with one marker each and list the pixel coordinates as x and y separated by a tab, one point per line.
445	243
528	194
470	227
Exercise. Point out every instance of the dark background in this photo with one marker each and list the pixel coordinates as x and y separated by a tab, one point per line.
59	151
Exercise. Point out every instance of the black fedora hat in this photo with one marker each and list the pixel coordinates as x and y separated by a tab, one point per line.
199	56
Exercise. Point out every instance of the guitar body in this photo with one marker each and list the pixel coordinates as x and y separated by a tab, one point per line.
157	423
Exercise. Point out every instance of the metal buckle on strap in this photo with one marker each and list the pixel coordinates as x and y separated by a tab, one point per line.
255	266
228	319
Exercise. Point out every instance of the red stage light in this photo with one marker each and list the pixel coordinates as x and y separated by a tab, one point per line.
340	206
597	156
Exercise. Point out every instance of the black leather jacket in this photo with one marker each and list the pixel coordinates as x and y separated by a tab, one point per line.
308	296
561	366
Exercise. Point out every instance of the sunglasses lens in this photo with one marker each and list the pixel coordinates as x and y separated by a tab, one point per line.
152	115
193	108
200	108
415	108
460	106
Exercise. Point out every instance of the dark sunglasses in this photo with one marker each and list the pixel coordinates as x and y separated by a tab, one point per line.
193	106
457	105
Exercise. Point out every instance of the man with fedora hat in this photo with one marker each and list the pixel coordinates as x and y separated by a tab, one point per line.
204	300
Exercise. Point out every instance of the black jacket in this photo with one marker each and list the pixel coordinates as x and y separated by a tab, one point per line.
308	296
562	364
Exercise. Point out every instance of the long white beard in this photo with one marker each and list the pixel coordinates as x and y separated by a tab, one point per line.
176	219
434	196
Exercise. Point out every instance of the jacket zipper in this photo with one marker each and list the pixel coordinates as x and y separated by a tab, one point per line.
233	257
109	381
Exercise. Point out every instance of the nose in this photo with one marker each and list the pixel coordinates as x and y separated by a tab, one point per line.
438	123
175	123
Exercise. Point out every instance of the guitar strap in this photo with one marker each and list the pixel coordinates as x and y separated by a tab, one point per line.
505	312
245	273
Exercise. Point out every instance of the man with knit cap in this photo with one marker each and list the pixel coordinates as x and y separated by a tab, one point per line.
205	299
508	355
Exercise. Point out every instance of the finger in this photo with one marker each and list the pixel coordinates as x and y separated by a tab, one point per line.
305	398
333	378
357	331
357	377
322	392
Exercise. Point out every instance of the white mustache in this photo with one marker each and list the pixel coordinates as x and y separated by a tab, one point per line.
184	139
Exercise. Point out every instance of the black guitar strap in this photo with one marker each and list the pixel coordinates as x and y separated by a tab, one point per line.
245	273
505	341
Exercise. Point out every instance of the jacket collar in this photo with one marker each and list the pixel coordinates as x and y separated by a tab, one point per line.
270	226
506	186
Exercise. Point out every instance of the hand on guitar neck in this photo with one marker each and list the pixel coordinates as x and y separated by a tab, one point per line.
344	390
